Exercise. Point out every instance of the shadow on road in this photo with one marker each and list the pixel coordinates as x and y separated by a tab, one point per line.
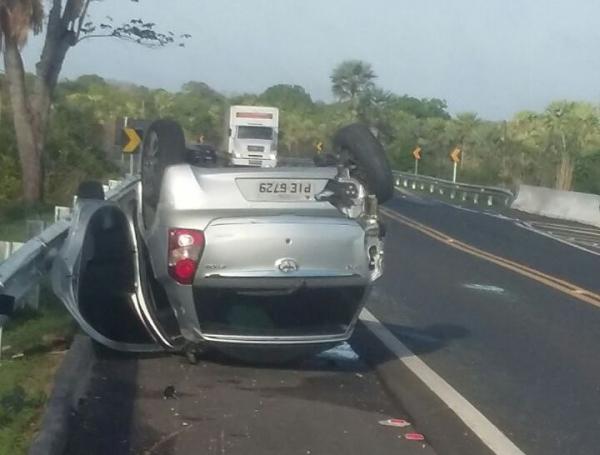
103	422
420	341
431	338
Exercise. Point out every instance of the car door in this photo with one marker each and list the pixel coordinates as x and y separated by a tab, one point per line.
101	278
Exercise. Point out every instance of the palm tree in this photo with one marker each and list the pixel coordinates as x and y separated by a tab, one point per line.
350	80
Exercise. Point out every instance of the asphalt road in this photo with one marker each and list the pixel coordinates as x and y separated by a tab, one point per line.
330	404
523	353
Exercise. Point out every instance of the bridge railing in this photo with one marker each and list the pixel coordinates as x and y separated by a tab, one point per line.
462	193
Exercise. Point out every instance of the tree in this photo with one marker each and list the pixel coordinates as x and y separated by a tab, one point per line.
201	90
461	129
572	131
201	111
67	24
297	133
401	137
524	145
161	103
350	80
372	104
436	143
586	176
421	108
555	140
289	97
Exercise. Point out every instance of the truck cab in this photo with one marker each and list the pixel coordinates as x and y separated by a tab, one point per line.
253	132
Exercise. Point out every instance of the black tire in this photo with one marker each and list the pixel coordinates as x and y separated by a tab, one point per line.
90	189
364	153
164	145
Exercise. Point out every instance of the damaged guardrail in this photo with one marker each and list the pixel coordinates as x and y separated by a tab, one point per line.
23	269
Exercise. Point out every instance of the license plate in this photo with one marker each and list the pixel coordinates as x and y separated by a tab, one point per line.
258	189
285	187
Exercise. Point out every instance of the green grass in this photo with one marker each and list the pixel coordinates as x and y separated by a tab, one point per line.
26	381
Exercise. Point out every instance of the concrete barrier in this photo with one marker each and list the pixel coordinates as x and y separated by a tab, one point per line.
566	205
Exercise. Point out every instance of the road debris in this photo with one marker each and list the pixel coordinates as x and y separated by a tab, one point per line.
169	393
398	423
414	437
484	288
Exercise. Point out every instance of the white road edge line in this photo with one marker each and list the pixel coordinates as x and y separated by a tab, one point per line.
489	434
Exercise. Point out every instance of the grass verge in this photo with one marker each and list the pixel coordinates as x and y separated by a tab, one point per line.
34	344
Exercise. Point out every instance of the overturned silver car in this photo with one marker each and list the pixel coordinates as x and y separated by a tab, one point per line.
192	255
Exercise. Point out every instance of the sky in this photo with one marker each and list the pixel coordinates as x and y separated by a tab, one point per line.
492	57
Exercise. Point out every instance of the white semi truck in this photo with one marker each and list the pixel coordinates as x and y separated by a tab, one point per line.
253	132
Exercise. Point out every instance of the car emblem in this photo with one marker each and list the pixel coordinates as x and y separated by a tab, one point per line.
287	265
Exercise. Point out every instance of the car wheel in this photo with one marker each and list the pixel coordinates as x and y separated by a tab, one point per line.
164	145
364	154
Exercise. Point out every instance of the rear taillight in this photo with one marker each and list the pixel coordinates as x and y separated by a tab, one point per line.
185	248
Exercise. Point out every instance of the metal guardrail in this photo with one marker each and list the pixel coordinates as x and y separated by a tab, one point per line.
477	195
26	266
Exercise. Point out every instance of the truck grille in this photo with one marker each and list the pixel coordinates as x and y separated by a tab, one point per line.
256	148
